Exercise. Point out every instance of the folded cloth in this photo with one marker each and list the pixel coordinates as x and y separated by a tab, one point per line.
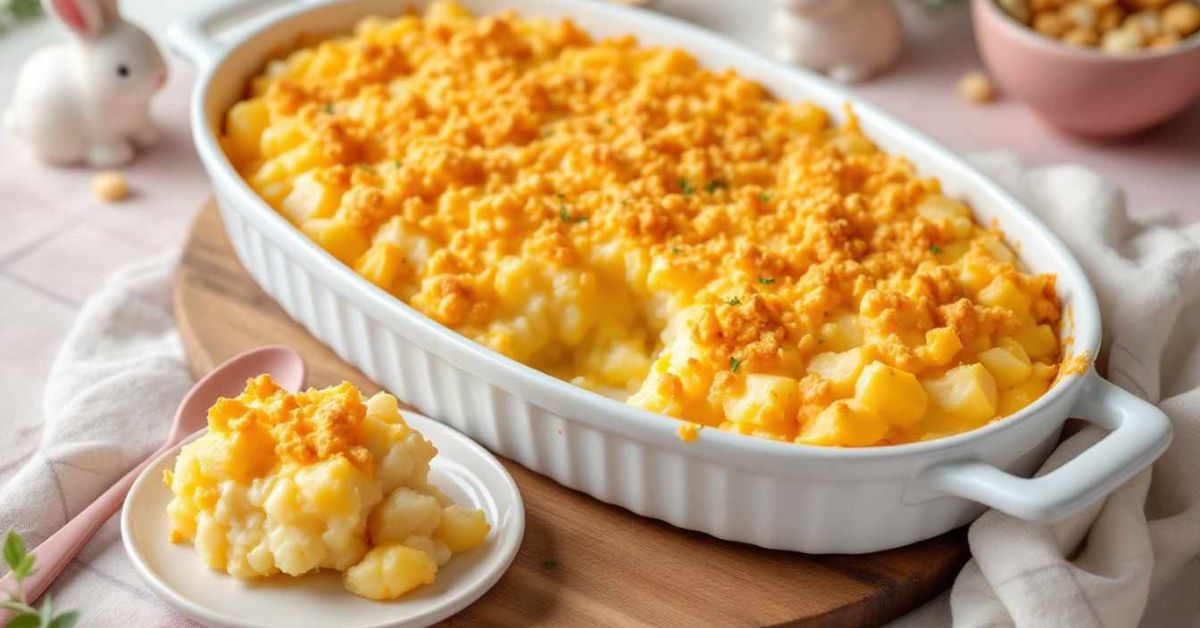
1105	566
108	403
120	374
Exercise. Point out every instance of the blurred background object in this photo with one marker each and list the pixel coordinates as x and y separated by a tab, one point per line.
849	40
13	12
87	100
1107	91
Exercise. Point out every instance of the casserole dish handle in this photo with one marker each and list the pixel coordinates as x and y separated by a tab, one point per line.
193	37
1139	433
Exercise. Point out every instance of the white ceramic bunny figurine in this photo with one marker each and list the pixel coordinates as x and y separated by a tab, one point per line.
88	100
850	40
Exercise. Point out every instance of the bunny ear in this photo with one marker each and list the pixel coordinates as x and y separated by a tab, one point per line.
84	17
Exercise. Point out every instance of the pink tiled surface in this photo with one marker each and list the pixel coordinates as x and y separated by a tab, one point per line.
58	244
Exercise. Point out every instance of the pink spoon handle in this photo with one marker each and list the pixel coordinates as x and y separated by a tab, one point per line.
56	552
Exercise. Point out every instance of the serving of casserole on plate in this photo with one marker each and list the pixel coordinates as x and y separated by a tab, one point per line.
585	200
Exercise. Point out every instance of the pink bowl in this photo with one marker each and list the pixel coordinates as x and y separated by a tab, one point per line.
1082	90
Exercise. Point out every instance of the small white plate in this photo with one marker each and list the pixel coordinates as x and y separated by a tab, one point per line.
463	470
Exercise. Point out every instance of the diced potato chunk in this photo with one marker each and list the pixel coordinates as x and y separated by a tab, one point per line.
281	137
953	215
965	394
1039	342
844	423
768	401
1002	292
1027	391
842	333
839	369
380	264
974	275
329	61
244	126
998	250
389	571
952	251
938	206
1008	363
287	166
461	528
808	118
310	198
895	394
402	514
386	408
443	12
941	345
666	275
342	239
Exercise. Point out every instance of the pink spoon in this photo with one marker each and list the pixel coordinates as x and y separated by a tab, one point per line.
227	380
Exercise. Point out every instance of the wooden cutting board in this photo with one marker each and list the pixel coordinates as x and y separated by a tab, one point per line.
583	562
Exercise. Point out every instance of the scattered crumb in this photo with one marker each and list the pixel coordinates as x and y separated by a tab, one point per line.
110	186
688	431
976	87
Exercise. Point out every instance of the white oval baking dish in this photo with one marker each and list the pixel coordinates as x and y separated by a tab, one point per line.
775	495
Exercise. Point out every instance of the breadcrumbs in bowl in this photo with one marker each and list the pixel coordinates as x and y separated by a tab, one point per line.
633	223
1093	87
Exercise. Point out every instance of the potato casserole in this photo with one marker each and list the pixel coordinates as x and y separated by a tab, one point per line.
624	219
297	482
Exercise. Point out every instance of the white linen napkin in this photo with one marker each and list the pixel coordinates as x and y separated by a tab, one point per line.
1130	558
1102	566
115	385
108	403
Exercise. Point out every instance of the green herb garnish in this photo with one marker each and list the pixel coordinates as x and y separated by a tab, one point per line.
675	250
564	215
717	184
764	197
733	301
686	187
328	107
766	281
935	249
23	564
734	363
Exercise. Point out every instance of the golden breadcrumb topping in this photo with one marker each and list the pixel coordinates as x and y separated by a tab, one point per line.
625	219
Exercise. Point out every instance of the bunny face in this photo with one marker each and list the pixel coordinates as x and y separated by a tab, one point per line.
122	65
118	62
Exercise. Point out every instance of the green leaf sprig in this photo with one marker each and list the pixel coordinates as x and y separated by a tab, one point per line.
12	12
23	564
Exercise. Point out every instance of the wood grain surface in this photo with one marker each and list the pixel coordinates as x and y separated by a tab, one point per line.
583	562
